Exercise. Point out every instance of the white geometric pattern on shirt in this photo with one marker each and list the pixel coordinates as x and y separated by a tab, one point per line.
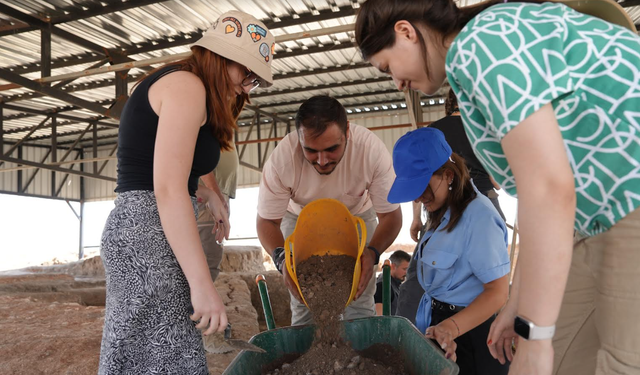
514	58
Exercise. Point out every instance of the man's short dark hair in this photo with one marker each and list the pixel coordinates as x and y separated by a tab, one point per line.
318	112
399	256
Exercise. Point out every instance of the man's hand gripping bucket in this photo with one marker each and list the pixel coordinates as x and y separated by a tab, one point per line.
326	227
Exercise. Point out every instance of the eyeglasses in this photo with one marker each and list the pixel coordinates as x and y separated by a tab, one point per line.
251	79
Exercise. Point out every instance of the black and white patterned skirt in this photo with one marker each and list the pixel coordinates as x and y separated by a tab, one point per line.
147	329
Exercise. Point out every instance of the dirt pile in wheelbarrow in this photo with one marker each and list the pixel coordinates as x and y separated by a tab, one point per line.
326	285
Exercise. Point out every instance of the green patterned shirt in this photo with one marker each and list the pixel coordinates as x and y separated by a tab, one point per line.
514	58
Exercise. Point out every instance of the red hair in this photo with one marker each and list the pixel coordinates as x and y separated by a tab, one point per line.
223	105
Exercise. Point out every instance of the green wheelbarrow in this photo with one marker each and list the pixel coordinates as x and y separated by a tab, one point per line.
421	355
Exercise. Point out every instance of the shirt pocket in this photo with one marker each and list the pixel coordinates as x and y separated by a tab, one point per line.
353	201
438	268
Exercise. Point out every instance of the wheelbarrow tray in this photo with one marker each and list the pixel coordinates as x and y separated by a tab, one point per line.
420	354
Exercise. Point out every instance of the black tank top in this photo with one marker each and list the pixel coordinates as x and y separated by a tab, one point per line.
137	138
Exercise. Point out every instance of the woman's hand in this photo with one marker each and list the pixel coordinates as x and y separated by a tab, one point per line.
208	308
502	335
533	358
220	216
414	230
445	333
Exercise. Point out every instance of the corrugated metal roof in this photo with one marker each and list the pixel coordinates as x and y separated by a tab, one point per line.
144	29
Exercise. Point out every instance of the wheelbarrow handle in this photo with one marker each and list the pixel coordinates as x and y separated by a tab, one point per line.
266	301
386	288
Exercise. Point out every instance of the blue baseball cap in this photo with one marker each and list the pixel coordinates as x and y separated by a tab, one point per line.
416	156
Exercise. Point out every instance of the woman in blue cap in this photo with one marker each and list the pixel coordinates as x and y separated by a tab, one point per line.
463	264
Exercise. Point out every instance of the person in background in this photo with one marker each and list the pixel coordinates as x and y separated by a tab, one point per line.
172	129
549	100
463	264
399	264
326	157
453	130
451	126
223	181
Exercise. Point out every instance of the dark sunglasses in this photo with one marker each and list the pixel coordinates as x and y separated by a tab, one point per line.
251	79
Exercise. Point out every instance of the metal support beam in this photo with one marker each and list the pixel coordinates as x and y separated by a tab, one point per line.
168	58
321	87
326	69
35	173
88	10
246	138
66	117
312	50
55	93
45	51
104	164
64	157
19	177
338	97
81	219
66	176
54	168
629	3
313	16
17	144
252	167
122	92
33	21
257	109
95	147
54	150
62	85
263	158
82	197
1	128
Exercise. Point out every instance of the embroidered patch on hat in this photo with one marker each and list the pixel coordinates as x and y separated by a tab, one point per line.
264	51
257	32
230	28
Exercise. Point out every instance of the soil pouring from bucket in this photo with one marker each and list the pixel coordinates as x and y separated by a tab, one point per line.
326	285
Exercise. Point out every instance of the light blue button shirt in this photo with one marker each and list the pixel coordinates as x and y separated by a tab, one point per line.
454	266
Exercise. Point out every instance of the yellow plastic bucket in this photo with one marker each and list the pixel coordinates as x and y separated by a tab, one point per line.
326	227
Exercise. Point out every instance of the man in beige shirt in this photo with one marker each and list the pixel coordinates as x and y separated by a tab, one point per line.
328	158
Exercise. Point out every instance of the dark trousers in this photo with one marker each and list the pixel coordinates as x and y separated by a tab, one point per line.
472	351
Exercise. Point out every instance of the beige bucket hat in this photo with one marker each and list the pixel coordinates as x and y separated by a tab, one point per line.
244	39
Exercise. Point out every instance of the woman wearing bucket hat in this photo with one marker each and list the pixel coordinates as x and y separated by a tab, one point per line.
549	99
172	128
462	260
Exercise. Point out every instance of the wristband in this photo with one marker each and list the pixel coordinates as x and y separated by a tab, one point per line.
278	258
375	251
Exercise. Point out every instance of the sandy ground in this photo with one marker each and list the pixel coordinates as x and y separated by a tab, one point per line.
51	317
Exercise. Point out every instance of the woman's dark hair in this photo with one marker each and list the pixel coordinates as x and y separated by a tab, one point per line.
318	112
223	105
461	194
451	103
377	18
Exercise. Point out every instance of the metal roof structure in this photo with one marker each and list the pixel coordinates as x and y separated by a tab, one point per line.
66	67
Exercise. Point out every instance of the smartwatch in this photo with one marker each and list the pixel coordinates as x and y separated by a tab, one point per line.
529	331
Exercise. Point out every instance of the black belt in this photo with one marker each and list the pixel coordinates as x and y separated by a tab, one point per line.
441	306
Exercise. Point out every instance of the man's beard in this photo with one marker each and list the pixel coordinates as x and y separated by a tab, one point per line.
335	165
